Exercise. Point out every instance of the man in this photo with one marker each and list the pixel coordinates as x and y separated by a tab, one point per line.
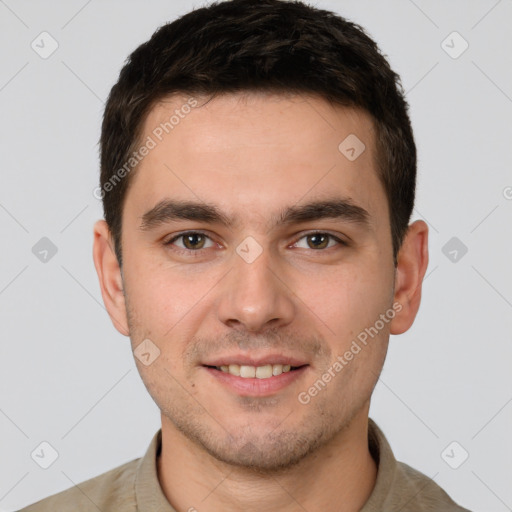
258	175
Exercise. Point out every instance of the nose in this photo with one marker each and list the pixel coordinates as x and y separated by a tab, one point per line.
255	295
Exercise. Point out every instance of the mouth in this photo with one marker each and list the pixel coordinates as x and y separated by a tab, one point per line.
266	371
256	380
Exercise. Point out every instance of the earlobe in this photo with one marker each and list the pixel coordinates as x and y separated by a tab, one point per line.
411	268
109	275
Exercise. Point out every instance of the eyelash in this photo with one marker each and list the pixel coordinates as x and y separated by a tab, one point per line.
199	251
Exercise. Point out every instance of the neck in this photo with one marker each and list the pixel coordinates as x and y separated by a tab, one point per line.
339	476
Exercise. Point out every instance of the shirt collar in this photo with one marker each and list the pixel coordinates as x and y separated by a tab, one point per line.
383	456
148	492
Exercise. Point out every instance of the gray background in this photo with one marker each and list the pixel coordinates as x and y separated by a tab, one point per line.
68	378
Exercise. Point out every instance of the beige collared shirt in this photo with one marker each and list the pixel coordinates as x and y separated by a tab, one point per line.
134	487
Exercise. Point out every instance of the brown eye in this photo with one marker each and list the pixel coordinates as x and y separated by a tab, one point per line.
318	240
191	241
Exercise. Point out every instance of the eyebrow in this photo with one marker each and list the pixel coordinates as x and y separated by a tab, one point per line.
169	210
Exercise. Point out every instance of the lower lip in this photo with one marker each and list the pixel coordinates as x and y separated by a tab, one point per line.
256	387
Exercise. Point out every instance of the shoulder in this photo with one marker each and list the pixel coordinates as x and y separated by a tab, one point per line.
111	491
401	487
421	492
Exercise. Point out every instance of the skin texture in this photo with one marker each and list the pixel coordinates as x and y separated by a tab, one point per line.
252	155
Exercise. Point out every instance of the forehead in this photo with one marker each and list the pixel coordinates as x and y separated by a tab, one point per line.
254	154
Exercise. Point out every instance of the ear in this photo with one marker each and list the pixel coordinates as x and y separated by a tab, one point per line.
109	275
412	262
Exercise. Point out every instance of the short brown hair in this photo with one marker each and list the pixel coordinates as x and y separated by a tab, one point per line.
266	45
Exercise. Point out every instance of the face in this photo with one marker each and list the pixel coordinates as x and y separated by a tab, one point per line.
250	239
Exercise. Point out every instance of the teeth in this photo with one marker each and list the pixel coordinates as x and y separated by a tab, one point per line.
264	372
234	369
247	371
277	369
260	372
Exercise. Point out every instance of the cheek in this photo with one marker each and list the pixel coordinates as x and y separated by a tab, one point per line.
349	298
160	294
169	305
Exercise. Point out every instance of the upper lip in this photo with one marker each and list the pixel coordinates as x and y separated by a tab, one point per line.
243	359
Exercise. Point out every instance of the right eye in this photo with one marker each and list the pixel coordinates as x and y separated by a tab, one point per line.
191	241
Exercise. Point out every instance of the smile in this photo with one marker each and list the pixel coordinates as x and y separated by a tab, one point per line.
263	380
259	372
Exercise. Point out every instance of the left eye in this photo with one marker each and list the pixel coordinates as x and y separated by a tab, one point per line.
320	240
